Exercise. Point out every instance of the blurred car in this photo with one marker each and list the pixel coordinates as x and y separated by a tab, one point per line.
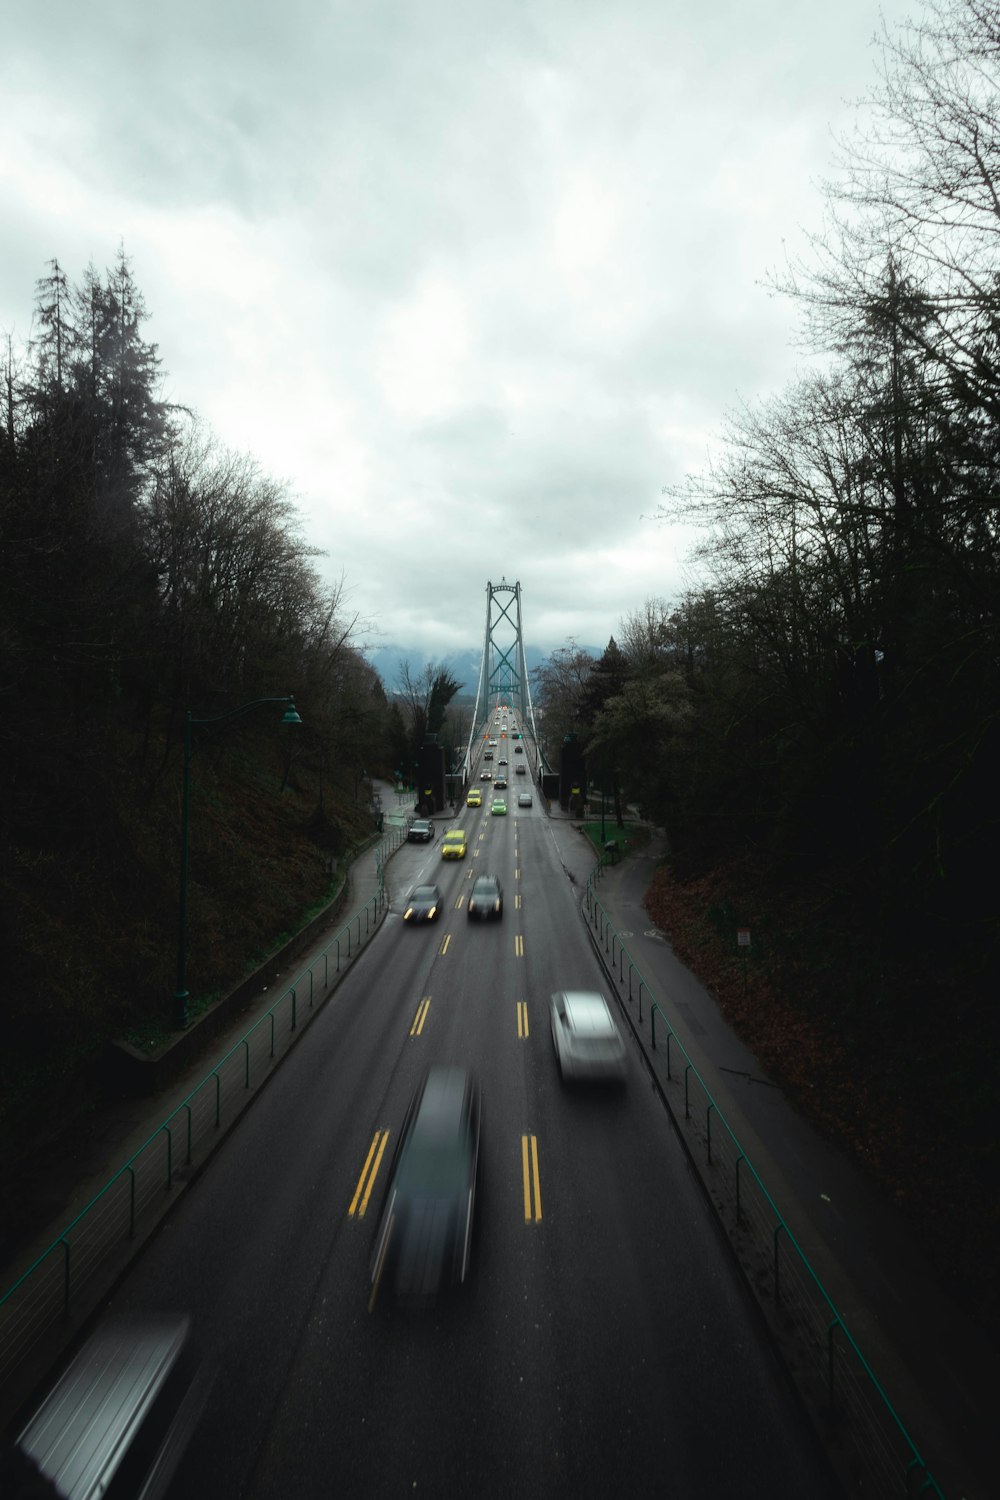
486	775
524	799
493	744
518	749
499	807
502	761
487	755
475	797
485	899
424	1237
423	904
453	844
500	783
118	1420
586	1037
520	770
420	831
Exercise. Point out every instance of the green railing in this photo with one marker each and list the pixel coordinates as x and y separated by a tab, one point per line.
858	1420
44	1305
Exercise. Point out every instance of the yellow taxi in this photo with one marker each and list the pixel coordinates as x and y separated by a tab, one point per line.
475	797
453	844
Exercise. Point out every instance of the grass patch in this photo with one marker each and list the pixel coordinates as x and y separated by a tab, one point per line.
629	838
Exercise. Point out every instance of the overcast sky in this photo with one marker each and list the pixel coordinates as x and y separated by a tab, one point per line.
478	281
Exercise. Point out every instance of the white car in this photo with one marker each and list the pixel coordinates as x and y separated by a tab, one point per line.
586	1037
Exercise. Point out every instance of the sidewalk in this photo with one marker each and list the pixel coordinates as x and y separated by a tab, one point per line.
935	1365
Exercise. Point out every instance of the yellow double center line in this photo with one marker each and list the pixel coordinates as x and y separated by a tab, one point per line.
518	946
529	1168
369	1172
421	1016
522	1019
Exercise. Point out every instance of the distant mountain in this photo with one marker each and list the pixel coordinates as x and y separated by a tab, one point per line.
465	665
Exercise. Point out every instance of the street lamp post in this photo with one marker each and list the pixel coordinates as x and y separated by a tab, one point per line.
290	716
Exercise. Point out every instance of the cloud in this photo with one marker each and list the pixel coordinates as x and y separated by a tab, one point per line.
477	281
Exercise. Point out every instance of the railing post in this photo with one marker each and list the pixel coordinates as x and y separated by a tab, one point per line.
131	1200
777	1279
830	1355
739	1210
170	1154
708	1129
294	1015
652	1025
271	1014
687	1109
246	1074
218	1099
65	1244
188	1108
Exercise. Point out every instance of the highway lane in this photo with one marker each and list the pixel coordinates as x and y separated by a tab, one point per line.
602	1340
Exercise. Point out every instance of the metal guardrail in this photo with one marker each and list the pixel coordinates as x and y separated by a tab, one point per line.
858	1419
39	1311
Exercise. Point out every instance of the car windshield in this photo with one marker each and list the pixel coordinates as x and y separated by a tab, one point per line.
424	893
485	887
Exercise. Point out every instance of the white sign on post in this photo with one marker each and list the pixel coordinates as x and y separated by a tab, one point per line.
743	937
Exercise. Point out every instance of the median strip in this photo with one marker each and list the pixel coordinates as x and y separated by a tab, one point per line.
421	1016
532	1186
369	1172
522	1019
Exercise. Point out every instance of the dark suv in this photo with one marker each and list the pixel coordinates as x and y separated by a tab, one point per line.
485	899
424	1236
420	831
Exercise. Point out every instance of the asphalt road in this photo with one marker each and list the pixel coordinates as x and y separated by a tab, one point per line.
603	1343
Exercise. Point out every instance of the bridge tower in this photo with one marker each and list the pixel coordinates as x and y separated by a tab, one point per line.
503	673
503	653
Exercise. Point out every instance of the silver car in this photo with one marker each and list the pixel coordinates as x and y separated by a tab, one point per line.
586	1038
118	1420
